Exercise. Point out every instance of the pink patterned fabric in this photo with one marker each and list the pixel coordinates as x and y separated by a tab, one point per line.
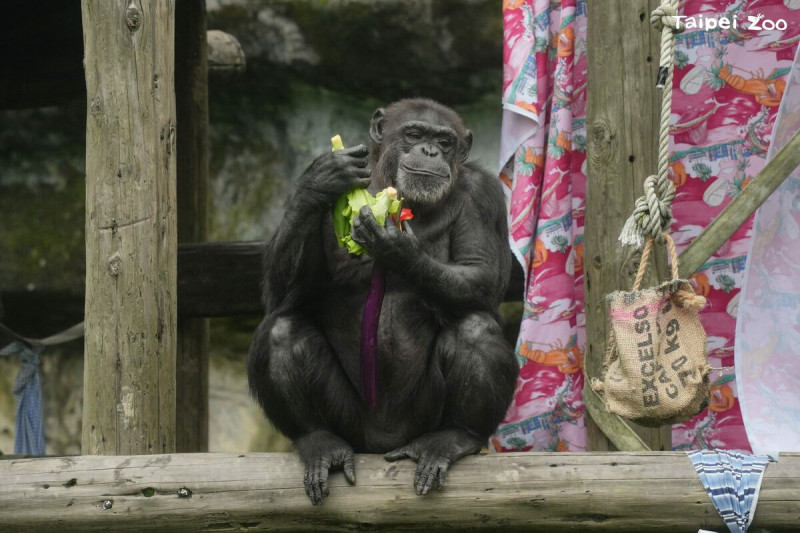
543	153
727	87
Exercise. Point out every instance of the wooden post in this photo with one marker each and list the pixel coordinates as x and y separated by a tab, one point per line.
622	133
129	377
191	99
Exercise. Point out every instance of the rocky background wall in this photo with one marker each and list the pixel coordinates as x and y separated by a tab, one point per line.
314	68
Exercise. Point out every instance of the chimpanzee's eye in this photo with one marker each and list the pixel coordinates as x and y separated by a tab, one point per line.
445	143
414	135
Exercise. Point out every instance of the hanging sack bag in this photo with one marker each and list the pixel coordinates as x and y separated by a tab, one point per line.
656	369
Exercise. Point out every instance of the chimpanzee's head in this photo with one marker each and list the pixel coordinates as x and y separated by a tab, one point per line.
418	147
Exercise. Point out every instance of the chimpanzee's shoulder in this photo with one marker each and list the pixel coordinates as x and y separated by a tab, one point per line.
480	184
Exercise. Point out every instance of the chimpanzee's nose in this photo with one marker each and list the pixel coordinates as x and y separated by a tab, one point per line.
430	150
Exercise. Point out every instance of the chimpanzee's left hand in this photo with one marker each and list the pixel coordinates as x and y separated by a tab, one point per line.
387	245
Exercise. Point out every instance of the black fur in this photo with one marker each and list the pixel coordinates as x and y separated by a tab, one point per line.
445	373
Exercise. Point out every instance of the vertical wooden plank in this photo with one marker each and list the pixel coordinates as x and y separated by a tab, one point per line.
131	245
622	126
191	99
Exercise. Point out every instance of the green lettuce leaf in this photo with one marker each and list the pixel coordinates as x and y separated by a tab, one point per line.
348	205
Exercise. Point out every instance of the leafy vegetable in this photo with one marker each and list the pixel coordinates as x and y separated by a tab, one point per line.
382	205
348	205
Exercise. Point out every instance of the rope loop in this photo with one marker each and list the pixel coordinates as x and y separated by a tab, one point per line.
665	15
652	214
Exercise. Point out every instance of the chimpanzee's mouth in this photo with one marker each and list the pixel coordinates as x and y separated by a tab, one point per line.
426	172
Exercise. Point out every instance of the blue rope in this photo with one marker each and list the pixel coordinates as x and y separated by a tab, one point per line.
29	438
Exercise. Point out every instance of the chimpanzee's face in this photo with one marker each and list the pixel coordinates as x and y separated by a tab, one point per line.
425	168
420	151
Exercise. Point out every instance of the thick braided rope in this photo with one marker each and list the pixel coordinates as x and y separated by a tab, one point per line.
652	214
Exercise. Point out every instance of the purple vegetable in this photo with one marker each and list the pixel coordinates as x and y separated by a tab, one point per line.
369	335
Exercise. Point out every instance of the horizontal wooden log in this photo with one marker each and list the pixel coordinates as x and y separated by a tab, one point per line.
655	491
214	279
223	279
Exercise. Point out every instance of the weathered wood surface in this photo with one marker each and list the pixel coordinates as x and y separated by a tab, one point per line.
131	246
191	102
552	492
741	207
622	136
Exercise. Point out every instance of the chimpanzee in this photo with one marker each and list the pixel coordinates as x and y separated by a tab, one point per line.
445	374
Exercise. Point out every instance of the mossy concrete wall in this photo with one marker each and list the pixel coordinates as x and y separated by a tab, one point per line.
315	68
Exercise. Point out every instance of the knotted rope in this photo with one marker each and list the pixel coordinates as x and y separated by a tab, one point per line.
652	213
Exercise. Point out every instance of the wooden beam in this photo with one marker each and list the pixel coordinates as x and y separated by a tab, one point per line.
214	279
220	279
224	279
622	132
741	207
191	101
614	428
258	491
131	245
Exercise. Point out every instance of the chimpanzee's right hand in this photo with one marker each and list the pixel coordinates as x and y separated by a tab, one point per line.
333	174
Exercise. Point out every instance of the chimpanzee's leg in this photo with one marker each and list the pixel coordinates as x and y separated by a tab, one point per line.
480	372
297	380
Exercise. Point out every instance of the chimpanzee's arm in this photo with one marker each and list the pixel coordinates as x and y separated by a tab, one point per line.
477	274
294	263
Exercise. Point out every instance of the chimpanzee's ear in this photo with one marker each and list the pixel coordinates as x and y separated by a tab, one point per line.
376	126
465	145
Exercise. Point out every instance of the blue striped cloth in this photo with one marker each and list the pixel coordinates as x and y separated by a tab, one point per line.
732	481
29	437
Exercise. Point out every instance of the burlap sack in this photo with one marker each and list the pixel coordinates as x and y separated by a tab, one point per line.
656	368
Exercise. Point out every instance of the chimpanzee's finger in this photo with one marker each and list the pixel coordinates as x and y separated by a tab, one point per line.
431	479
366	220
421	475
359	172
362	183
396	455
350	467
443	474
360	162
323	481
360	150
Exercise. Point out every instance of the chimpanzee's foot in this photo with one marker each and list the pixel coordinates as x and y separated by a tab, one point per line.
322	451
434	453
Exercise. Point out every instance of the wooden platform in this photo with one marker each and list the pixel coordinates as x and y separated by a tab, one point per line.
654	491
